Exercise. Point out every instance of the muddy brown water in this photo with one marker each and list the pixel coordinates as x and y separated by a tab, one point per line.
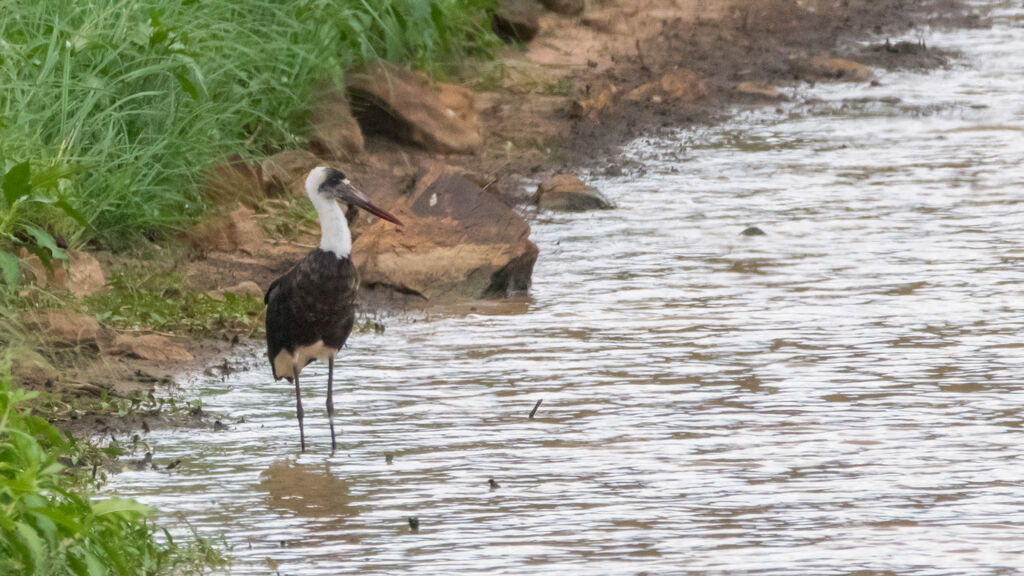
841	394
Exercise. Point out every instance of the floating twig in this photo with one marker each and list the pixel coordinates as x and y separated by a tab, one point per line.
535	406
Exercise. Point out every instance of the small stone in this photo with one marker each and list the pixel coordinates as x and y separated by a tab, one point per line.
567	193
414	524
86	274
752	231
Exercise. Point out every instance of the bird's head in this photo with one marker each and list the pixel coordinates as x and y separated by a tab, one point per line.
329	183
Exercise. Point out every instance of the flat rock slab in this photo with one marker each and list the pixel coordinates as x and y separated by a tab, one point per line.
567	193
457	241
408	106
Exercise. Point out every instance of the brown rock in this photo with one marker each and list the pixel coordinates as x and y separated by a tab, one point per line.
458	241
235	231
406	105
839	69
37	274
86	274
335	131
567	193
285	172
61	328
152	347
516	20
758	89
568	7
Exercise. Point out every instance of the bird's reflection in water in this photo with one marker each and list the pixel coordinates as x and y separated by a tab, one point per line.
309	491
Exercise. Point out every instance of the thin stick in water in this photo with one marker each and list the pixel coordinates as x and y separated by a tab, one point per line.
535	406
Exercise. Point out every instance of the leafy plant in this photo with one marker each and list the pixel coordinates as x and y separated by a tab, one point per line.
161	301
49	528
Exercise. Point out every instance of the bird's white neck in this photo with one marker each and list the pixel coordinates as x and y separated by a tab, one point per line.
334	234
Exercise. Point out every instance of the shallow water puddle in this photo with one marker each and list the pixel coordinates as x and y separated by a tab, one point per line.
841	394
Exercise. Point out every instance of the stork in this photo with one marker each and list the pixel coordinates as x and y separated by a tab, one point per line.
311	308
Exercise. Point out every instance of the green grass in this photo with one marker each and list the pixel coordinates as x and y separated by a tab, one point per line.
120	106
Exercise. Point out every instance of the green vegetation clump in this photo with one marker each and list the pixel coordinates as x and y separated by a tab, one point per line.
161	301
49	525
113	110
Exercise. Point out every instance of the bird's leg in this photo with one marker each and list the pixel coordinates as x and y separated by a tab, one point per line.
298	408
330	397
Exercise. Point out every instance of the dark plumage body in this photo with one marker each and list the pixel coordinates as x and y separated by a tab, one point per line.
311	309
312	306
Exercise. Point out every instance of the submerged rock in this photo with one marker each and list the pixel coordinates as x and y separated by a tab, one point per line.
752	231
567	193
516	20
408	106
457	241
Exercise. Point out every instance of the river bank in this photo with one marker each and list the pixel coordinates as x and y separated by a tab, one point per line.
564	102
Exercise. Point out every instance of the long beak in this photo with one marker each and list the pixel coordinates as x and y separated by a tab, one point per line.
346	192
